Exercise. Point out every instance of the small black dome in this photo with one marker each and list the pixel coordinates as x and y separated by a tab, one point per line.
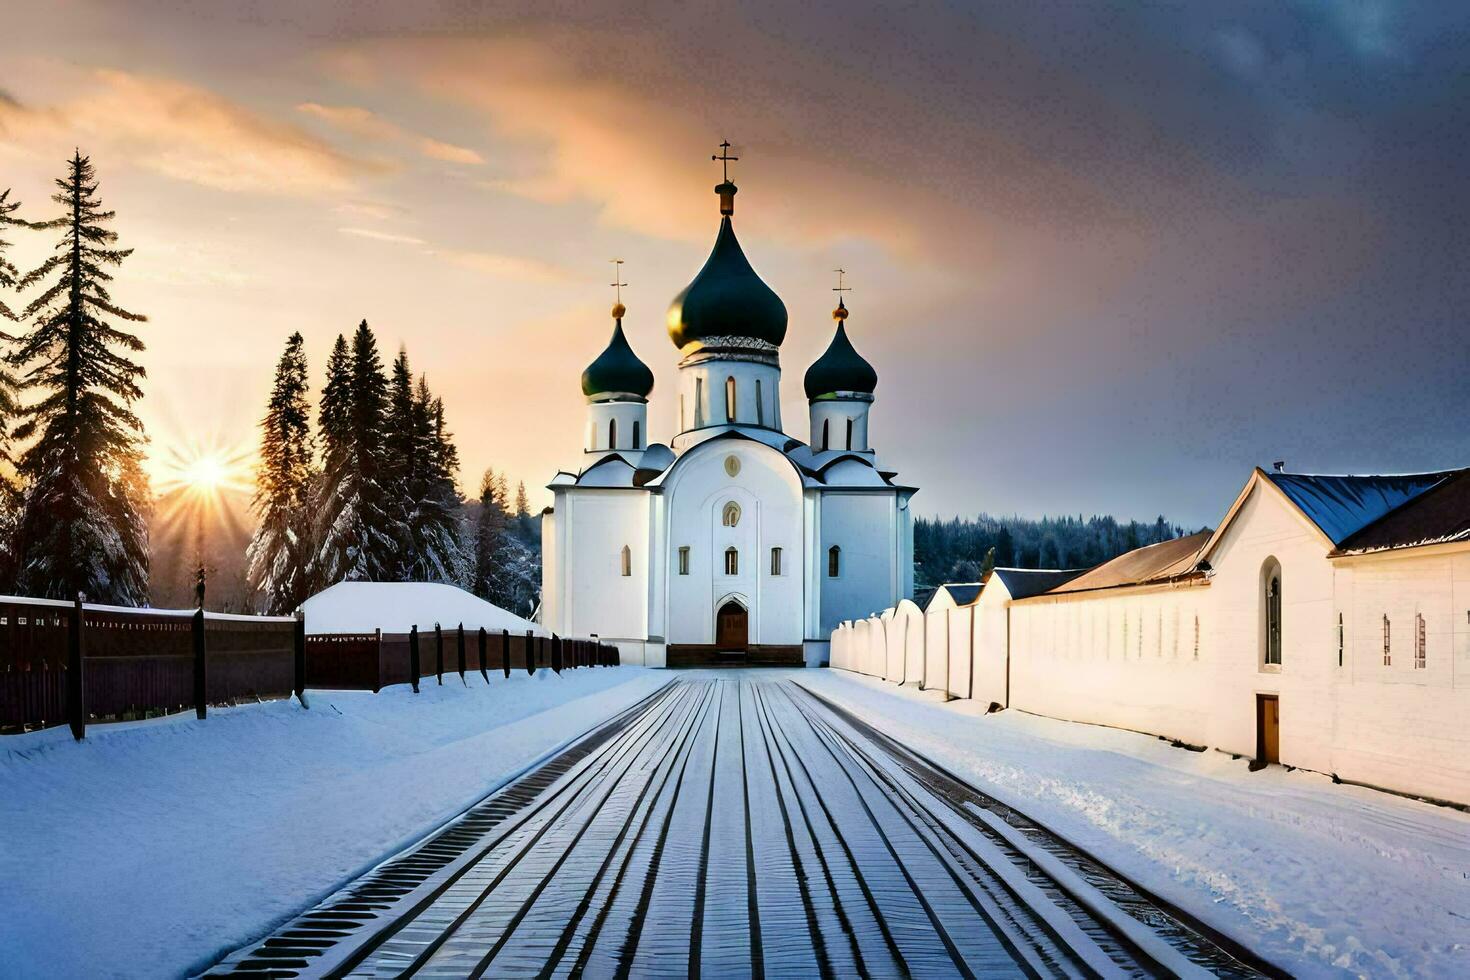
840	368
727	299
617	369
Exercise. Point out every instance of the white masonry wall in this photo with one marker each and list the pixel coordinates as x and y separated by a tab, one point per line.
1126	658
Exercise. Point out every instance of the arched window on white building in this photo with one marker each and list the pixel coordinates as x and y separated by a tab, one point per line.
775	561
730	399
731	515
684	560
627	561
1271	599
760	405
637	435
826	431
698	403
834	561
849	433
732	561
612	433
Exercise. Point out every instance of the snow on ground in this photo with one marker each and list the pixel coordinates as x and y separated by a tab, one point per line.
1321	879
155	847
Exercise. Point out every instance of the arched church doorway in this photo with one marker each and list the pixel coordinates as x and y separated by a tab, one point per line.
732	627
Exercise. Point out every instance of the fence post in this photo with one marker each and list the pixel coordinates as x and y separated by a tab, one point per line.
598	660
439	654
459	650
298	650
76	691
484	651
413	656
530	652
201	687
505	652
378	659
555	654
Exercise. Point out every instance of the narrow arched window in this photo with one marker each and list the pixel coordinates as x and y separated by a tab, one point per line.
684	560
826	425
1272	583
775	561
1387	642
729	399
732	561
1421	656
627	560
731	514
849	433
637	436
612	433
760	406
698	402
834	561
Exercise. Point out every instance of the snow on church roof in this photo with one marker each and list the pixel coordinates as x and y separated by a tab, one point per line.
1341	506
395	607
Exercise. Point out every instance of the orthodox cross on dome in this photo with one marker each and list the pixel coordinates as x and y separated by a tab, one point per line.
726	190
617	284
725	158
841	312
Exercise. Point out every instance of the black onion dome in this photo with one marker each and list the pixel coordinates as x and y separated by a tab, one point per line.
617	369
727	299
840	368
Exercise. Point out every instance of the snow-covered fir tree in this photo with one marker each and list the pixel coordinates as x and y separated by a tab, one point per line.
490	535
355	537
279	556
437	528
82	526
9	489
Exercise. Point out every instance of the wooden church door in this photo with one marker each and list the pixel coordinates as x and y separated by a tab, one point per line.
731	626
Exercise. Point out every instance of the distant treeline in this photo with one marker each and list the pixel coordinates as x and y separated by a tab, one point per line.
964	549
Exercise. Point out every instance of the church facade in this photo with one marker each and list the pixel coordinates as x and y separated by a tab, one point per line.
733	541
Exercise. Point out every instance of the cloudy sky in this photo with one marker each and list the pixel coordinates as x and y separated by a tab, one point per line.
1105	258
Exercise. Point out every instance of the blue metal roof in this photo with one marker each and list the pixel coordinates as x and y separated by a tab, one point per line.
1343	505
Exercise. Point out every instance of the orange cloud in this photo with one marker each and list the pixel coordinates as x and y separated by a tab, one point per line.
632	145
369	125
188	133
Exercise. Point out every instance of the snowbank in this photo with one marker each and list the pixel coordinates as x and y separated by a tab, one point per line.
396	607
1322	880
154	847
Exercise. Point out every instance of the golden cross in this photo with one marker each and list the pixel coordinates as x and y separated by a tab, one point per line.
840	288
617	284
726	158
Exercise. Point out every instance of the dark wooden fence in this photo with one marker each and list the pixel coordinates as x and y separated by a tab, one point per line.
133	662
71	663
372	661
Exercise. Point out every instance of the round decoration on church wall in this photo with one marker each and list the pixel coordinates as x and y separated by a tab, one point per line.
732	465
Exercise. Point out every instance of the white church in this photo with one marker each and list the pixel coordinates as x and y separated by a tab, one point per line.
734	542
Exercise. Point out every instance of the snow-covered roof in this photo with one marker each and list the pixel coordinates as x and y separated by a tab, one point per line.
834	468
960	593
394	607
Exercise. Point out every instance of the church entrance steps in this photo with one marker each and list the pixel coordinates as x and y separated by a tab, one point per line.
734	824
755	655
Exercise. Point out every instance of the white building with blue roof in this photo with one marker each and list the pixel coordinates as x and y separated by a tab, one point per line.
733	542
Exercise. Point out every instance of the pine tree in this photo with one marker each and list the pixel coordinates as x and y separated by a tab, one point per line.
355	537
437	526
490	536
83	521
280	553
406	444
9	491
523	512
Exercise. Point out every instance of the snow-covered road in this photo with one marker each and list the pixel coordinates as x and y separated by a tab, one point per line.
734	825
